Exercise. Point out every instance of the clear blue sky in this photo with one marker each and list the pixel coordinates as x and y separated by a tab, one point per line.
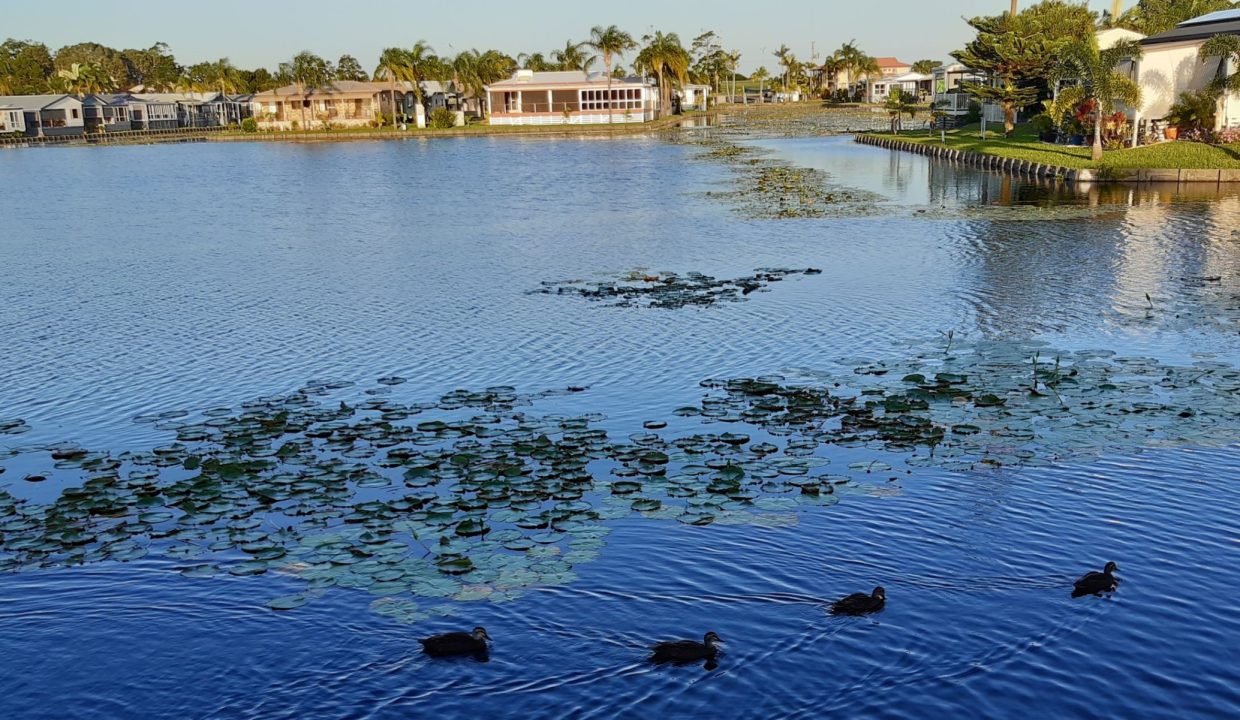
256	33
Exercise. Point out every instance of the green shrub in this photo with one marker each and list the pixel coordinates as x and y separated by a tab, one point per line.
975	113
1194	111
249	125
443	119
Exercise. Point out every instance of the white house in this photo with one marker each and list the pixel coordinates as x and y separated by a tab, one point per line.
109	111
47	114
571	98
12	119
694	97
1171	64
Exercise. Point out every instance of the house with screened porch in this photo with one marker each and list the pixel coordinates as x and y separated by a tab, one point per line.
571	98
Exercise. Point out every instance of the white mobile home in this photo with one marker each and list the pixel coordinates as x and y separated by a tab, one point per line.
12	119
571	98
47	114
1171	64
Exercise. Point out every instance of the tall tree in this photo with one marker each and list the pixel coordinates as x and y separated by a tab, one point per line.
572	56
83	80
925	67
536	62
761	75
308	72
348	68
709	59
110	60
1155	16
784	56
665	58
1009	51
611	42
394	65
154	68
25	67
1097	80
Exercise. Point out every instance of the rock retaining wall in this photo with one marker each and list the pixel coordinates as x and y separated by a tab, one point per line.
1040	170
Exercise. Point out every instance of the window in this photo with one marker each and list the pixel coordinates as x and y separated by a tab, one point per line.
75	113
621	99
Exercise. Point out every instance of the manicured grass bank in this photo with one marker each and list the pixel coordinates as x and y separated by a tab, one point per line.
1024	145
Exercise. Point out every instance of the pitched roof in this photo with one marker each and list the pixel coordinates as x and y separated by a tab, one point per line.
1200	28
339	87
526	78
890	62
33	102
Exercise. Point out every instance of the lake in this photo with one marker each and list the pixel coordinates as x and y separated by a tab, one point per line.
241	363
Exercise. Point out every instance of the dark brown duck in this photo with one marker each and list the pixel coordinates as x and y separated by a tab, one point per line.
860	603
687	650
456	643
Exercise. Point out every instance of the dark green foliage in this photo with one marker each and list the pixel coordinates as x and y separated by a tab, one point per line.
249	125
442	119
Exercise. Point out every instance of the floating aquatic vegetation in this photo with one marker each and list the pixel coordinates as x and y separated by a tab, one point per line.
470	498
770	189
670	290
467	498
990	404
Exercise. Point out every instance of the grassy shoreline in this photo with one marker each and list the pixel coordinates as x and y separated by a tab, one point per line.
1024	145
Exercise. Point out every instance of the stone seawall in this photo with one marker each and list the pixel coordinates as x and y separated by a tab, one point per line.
1041	170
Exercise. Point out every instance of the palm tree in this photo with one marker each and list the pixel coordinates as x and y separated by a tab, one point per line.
784	55
536	62
572	57
83	80
831	69
611	42
394	65
867	67
308	72
1097	79
734	61
1227	49
761	74
665	58
924	67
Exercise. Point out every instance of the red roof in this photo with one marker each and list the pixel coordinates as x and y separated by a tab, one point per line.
890	62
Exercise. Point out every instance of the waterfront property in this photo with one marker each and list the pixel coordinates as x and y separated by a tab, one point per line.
109	112
891	68
571	98
346	103
12	120
694	97
916	84
50	115
1171	64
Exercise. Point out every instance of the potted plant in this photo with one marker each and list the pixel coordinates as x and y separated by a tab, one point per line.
1193	113
1044	126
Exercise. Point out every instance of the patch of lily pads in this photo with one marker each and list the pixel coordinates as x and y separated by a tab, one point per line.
770	189
641	288
989	405
474	498
469	498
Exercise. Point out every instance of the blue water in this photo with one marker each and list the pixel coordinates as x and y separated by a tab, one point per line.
186	277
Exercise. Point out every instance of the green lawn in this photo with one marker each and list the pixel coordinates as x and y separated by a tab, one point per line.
1024	145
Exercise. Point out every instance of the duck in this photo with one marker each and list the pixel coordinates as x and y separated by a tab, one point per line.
860	603
456	643
687	650
1095	583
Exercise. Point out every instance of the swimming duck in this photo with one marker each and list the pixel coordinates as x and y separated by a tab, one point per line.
456	643
687	650
1094	583
860	603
